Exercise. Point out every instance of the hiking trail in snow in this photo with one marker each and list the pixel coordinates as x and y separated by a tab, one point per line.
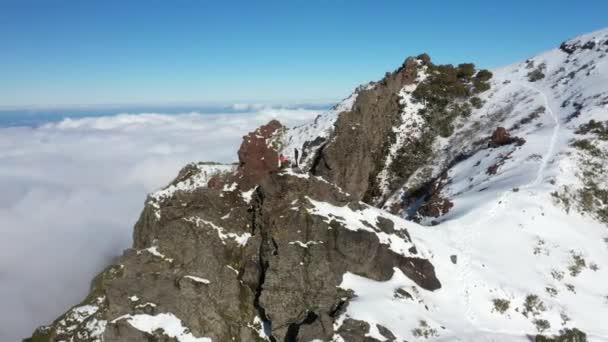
470	231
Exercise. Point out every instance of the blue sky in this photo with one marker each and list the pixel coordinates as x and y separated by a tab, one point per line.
151	52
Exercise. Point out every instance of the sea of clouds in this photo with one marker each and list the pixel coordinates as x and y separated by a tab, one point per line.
71	190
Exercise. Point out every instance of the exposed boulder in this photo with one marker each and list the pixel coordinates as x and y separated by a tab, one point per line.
569	48
428	201
435	206
501	137
257	157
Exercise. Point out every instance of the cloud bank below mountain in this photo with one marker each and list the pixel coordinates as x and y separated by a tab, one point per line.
73	189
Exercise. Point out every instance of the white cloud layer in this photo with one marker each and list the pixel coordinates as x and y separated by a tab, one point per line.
71	192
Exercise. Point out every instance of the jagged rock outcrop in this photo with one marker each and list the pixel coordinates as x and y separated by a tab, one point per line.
390	129
257	157
260	257
363	134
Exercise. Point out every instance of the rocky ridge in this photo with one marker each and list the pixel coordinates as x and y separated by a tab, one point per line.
257	253
503	165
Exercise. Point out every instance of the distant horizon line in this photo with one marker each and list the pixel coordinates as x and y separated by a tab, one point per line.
259	104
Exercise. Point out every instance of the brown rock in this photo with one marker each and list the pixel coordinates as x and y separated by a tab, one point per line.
435	206
500	137
492	169
257	157
215	183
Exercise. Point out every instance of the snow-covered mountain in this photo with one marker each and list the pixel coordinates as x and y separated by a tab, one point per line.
440	203
527	222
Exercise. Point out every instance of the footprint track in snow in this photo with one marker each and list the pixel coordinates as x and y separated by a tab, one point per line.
471	231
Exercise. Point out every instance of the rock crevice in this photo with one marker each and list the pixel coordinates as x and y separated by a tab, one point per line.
263	262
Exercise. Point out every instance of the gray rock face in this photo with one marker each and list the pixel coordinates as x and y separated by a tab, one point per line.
230	263
363	135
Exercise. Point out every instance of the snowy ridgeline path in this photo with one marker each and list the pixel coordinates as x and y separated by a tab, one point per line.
467	239
552	144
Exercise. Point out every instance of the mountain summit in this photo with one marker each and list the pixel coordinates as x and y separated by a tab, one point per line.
440	203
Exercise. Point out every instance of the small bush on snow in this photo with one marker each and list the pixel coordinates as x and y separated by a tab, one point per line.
535	75
570	288
566	335
424	330
533	305
552	291
541	325
501	305
577	264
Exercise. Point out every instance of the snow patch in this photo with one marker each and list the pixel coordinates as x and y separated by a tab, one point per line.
205	171
366	219
305	244
167	322
81	320
198	279
154	251
240	239
248	195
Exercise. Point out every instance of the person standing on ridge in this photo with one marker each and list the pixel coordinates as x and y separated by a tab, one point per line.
296	157
283	162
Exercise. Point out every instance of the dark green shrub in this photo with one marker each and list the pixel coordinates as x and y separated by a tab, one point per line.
533	305
425	58
566	335
551	291
535	75
541	325
501	305
442	86
595	127
424	330
446	130
484	75
481	86
476	102
464	110
576	264
588	146
411	156
466	70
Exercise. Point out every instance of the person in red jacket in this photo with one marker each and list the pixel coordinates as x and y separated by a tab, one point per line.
283	161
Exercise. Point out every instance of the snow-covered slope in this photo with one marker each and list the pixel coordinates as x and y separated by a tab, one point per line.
524	249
